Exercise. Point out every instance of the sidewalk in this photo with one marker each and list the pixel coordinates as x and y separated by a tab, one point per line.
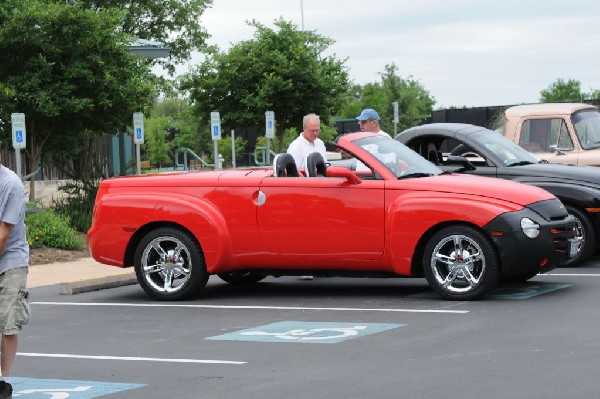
79	276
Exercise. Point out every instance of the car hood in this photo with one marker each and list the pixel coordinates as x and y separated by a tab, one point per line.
479	186
554	171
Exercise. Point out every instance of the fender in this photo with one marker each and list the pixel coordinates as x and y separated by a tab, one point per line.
124	214
412	216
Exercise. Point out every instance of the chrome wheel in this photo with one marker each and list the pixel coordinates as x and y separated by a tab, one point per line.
461	263
169	264
166	264
458	263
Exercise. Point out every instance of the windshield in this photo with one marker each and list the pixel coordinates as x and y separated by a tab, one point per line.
508	152
398	158
587	128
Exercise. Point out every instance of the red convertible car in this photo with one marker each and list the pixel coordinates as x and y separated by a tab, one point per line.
397	215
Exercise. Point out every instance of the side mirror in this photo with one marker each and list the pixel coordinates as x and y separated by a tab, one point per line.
558	151
340	171
462	161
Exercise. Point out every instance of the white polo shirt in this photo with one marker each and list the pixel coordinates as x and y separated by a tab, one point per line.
300	148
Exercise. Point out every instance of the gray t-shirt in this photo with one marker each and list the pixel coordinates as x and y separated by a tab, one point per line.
12	210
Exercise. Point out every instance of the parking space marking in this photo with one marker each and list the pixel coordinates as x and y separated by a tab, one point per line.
130	358
513	291
160	305
34	388
306	332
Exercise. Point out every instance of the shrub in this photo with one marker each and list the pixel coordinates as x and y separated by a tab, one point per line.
77	206
51	230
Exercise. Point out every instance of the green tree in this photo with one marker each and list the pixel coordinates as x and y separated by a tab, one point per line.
175	23
282	70
414	102
155	140
70	72
562	91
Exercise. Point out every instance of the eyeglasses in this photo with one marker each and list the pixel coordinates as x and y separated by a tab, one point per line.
365	121
314	130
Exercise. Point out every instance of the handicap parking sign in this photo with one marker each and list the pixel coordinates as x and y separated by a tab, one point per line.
306	332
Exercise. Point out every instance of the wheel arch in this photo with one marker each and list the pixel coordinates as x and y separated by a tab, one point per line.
142	231
416	266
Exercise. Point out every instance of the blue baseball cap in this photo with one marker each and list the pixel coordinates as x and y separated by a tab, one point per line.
367	114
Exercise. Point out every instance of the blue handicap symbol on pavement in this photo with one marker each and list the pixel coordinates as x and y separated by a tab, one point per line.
510	291
306	332
33	388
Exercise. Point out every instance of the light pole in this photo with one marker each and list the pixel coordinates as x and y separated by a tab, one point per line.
302	13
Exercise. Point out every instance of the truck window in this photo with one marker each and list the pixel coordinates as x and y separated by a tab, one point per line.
587	128
537	135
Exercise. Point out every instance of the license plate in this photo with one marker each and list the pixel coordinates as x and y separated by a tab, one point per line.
574	246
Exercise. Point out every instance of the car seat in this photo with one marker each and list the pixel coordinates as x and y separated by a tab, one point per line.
284	166
433	155
314	165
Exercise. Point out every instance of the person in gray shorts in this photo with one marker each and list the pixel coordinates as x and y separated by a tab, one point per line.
14	262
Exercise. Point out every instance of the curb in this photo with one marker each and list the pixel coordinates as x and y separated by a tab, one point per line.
97	284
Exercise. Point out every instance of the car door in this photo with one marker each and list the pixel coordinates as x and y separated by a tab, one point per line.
322	217
549	139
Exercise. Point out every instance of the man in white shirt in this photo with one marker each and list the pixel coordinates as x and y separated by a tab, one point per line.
369	122
308	141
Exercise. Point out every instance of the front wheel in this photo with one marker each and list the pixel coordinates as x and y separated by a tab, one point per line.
169	265
460	263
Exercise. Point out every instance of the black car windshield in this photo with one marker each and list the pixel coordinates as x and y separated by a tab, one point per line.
507	151
587	128
398	158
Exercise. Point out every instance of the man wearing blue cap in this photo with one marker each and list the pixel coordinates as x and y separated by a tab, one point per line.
369	122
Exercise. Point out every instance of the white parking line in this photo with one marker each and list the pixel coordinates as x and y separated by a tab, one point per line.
160	305
129	358
570	274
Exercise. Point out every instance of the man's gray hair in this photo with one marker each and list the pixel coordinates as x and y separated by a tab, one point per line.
308	118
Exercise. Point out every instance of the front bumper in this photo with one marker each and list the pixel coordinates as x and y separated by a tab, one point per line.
521	255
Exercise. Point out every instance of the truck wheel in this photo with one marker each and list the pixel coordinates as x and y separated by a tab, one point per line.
169	265
241	278
584	228
460	263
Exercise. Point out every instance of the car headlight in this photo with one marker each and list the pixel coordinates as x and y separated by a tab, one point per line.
530	228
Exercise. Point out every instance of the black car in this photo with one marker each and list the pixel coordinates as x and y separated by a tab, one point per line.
463	148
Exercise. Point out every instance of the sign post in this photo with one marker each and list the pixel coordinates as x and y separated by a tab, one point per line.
269	132
215	128
395	104
19	138
138	138
233	148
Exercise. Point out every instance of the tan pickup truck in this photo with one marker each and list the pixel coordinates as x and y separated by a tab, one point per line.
566	133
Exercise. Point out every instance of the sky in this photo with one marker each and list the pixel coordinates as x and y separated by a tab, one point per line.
463	52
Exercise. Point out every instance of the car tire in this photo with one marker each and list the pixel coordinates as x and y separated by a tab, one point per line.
169	265
585	229
241	278
461	276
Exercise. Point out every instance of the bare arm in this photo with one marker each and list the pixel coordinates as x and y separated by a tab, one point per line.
5	229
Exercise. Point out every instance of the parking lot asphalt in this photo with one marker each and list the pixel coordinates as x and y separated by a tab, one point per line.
325	338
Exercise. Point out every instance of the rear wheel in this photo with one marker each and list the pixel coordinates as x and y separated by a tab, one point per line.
584	229
460	263
169	265
241	278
